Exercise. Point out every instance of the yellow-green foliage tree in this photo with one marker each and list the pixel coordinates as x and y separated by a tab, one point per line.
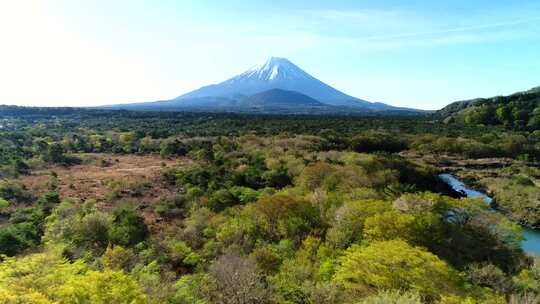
395	265
48	278
282	216
389	225
393	297
348	223
117	258
3	203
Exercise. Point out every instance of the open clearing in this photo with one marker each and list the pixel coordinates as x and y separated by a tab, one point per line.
99	174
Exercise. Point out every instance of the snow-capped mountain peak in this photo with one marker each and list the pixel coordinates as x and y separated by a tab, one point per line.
275	85
273	69
278	73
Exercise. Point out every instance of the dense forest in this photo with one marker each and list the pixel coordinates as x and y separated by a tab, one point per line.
159	207
520	111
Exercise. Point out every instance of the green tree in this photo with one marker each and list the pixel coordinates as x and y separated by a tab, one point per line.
127	228
504	115
221	199
54	153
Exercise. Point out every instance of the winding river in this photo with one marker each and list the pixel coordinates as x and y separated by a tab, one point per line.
531	243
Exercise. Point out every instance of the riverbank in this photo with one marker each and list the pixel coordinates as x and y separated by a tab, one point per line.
531	242
513	185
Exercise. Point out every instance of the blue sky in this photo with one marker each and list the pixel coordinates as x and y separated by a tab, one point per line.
422	54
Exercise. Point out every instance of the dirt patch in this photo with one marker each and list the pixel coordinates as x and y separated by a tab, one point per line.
93	179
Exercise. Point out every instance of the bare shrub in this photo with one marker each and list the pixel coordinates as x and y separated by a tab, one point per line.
237	280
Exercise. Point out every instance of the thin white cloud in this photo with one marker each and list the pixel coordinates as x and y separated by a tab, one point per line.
473	28
376	29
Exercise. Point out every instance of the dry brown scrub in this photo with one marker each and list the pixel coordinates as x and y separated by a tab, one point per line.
107	178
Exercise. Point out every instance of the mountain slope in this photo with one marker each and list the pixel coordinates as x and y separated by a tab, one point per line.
271	101
280	97
199	103
281	101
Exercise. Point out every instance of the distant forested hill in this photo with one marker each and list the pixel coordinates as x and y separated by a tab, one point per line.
518	111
